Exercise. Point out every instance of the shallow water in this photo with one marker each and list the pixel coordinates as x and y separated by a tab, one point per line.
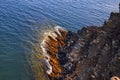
22	21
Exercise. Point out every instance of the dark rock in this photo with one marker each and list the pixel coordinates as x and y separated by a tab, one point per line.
93	53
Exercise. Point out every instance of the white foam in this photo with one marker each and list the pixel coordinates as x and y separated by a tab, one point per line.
57	30
43	45
45	52
47	59
61	28
53	35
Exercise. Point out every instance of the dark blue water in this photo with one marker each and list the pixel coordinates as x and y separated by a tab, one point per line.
21	22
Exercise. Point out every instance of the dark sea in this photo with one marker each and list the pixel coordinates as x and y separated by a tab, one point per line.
22	22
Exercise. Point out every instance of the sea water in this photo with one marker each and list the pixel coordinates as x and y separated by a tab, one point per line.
22	22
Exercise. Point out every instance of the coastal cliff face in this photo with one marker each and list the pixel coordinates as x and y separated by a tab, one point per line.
92	53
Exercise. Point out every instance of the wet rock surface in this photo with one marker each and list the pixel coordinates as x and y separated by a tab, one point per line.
93	53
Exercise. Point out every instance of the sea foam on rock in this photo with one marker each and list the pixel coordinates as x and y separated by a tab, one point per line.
93	53
52	40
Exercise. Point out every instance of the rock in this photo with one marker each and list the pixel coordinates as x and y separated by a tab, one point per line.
93	53
90	54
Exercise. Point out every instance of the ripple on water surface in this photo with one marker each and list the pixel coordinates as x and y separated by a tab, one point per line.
22	22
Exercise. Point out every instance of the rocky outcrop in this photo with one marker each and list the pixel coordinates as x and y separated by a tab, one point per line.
93	53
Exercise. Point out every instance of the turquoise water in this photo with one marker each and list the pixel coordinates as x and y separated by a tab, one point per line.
21	22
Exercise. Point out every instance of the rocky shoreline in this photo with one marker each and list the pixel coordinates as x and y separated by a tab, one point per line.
93	53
